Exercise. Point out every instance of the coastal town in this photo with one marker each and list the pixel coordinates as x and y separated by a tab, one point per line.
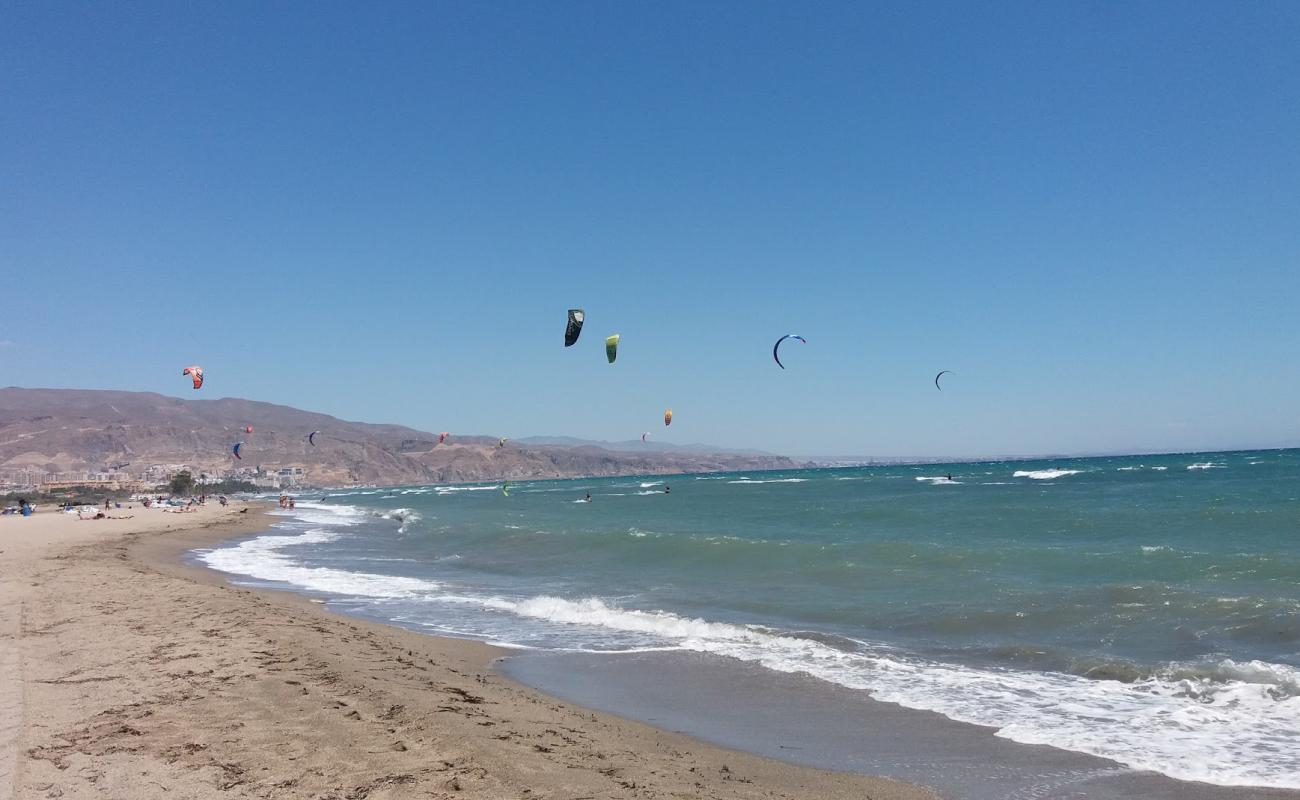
123	478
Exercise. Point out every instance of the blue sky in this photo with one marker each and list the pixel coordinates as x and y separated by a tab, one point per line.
1087	211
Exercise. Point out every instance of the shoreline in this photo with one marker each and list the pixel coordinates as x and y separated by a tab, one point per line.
139	674
806	722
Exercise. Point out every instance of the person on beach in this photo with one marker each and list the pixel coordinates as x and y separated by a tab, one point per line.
290	502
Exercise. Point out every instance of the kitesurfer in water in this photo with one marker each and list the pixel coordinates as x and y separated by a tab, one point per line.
588	498
666	489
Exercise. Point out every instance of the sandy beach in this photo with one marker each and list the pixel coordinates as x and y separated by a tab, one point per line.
126	673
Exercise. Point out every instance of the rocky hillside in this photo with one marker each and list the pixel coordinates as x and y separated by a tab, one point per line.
63	430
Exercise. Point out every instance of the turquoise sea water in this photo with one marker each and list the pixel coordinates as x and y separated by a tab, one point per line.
1145	609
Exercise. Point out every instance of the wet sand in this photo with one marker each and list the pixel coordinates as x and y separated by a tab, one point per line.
125	673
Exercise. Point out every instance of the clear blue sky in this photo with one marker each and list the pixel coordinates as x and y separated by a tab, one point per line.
1090	212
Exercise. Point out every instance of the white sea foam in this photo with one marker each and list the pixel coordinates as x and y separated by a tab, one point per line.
939	480
773	480
1207	465
324	514
648	484
648	492
451	489
1131	469
1160	469
1044	474
261	558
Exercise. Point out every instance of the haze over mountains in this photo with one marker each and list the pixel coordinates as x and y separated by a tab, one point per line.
64	430
637	446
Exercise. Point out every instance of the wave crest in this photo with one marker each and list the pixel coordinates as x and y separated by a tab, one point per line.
1044	474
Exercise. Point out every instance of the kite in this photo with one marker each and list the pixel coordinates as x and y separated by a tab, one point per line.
503	441
505	488
775	355
235	450
940	375
195	372
442	437
668	417
611	347
645	436
249	429
311	438
574	328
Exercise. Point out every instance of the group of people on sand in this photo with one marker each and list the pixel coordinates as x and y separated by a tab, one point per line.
87	511
192	504
286	501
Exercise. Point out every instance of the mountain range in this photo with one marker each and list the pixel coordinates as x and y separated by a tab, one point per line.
68	430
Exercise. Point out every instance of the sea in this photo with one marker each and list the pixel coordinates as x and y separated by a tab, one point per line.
1142	609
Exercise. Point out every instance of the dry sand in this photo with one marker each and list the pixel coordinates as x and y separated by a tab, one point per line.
125	674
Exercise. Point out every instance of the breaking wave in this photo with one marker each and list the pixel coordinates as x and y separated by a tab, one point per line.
1044	474
261	558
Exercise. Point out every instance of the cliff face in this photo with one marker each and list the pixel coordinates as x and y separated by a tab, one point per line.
64	430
